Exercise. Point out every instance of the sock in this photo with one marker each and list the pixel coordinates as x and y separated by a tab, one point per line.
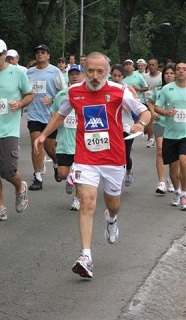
183	193
109	218
178	191
87	252
38	176
55	165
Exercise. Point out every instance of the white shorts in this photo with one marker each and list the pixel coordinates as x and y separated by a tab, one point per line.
111	177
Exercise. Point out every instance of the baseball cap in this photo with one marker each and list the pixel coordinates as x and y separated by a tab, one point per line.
128	60
42	47
12	53
141	61
62	59
76	67
3	46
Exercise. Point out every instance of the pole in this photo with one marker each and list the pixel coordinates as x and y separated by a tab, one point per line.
81	29
64	28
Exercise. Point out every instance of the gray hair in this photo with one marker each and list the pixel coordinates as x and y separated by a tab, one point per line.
96	54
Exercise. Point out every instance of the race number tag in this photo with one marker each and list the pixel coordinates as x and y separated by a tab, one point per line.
3	106
70	122
180	115
39	86
97	141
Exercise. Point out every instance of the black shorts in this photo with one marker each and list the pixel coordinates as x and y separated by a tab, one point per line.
34	126
172	149
64	159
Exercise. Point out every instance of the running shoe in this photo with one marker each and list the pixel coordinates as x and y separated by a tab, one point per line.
36	185
161	188
75	204
112	231
176	200
56	177
183	203
3	213
151	143
129	179
170	187
83	266
22	199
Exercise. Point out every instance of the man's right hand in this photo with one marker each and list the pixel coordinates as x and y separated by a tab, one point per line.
38	143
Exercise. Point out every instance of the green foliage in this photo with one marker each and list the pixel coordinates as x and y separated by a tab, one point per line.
24	24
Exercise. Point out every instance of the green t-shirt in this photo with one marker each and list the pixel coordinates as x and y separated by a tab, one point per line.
173	96
155	95
136	79
13	83
67	131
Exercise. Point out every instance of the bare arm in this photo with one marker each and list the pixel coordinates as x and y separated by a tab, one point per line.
164	112
25	101
55	122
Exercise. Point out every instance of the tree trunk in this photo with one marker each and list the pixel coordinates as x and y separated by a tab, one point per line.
126	14
30	8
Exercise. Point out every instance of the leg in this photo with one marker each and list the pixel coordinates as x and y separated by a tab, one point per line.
129	172
88	195
3	209
2	203
37	161
174	174
182	161
182	176
160	167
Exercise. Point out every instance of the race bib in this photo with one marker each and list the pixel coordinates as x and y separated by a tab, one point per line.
3	106
97	141
39	86
180	115
70	122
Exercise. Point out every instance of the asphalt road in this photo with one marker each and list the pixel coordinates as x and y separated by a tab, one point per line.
142	277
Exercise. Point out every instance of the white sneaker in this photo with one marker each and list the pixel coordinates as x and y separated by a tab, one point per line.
3	213
161	188
22	199
83	266
75	204
112	231
176	200
129	178
183	203
170	187
151	143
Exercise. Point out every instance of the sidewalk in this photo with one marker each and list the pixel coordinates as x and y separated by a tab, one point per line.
163	294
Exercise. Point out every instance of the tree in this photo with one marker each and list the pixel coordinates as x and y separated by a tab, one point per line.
126	13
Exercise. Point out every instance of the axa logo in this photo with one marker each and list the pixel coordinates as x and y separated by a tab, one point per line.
95	123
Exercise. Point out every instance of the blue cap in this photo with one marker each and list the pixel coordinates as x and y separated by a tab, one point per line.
76	67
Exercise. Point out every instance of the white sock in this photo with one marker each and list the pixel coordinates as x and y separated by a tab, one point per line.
178	191
38	176
55	165
87	252
109	218
183	193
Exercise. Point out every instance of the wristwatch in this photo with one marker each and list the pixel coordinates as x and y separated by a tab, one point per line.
142	123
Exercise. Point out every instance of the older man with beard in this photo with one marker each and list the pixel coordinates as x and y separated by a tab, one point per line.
100	150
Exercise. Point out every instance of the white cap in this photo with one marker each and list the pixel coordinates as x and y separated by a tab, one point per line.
141	61
3	46
12	53
128	60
